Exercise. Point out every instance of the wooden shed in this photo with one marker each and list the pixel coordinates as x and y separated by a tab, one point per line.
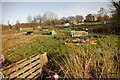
26	29
78	33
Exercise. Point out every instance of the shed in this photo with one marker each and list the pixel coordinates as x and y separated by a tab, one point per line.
78	33
26	29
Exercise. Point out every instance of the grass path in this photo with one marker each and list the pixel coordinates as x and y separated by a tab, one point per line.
13	41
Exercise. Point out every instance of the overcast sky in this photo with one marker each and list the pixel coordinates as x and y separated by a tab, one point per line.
12	10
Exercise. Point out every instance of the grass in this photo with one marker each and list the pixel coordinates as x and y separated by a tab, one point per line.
88	61
41	45
73	61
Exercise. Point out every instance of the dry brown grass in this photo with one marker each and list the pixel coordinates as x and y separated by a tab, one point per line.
90	63
16	40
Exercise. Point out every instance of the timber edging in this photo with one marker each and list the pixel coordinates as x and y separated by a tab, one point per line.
27	68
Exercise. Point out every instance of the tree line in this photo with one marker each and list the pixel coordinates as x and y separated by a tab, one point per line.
114	26
51	19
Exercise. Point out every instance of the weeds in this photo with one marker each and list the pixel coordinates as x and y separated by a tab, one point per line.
90	61
81	61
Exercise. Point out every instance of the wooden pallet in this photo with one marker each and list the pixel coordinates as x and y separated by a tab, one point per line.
27	68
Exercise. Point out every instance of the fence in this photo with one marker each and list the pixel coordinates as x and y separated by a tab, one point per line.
27	68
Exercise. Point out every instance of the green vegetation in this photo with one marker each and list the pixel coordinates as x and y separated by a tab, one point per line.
72	61
101	53
95	61
100	60
41	45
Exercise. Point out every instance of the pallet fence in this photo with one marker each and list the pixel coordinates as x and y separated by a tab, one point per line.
29	67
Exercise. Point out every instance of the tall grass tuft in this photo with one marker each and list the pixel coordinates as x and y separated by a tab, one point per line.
100	61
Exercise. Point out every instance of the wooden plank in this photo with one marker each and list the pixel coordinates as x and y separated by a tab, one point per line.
15	74
16	67
16	63
35	73
29	72
27	58
24	69
44	58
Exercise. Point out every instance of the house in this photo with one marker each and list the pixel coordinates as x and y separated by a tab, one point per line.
91	18
78	33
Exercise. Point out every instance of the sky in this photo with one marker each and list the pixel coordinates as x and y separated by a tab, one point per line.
13	10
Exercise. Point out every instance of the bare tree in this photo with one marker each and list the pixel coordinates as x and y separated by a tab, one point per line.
48	18
63	20
78	18
55	22
48	15
102	12
38	19
116	16
17	22
29	19
71	19
35	19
